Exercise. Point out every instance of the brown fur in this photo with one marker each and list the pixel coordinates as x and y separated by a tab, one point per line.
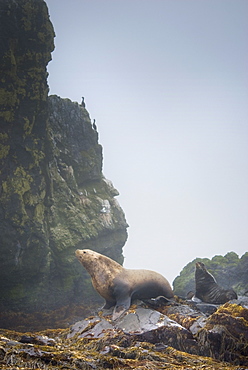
119	286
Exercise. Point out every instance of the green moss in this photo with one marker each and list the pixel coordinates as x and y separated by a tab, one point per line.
39	213
17	292
4	151
38	156
7	116
3	136
21	181
29	14
5	186
42	37
19	219
19	184
8	97
63	238
31	199
42	194
28	126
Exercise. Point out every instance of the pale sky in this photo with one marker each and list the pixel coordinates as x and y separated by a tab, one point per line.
167	82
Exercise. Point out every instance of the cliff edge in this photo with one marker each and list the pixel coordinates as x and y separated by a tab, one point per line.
53	195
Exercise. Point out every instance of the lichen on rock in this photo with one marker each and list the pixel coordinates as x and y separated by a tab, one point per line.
141	339
53	193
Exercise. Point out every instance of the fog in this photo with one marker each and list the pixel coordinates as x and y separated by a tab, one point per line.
167	84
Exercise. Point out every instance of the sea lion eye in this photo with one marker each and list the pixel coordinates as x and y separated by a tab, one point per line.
84	252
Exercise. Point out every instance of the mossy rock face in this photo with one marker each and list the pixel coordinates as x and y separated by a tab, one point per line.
53	195
230	271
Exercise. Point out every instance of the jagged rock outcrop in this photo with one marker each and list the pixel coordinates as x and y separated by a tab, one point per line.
180	337
222	335
53	195
229	271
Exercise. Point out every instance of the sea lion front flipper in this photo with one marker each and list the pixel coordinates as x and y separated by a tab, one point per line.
108	304
122	305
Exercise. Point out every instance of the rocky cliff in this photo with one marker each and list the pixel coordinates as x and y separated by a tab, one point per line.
53	195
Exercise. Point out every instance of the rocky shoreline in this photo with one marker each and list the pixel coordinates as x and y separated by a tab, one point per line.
178	336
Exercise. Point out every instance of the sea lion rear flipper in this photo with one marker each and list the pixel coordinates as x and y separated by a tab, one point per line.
122	305
160	301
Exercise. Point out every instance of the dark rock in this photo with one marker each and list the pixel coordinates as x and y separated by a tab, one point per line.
52	189
25	51
225	335
241	301
198	324
159	347
187	315
142	338
142	324
38	339
206	308
2	353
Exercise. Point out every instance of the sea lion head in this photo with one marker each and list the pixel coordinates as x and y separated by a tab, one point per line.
96	263
103	270
200	266
202	274
84	255
87	258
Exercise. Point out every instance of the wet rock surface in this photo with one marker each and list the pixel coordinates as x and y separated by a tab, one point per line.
143	338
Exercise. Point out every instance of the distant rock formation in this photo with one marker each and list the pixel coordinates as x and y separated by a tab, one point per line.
52	187
229	271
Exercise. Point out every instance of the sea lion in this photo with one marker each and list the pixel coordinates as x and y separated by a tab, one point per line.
207	288
118	285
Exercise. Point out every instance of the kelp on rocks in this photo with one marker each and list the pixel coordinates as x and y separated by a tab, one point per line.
135	342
